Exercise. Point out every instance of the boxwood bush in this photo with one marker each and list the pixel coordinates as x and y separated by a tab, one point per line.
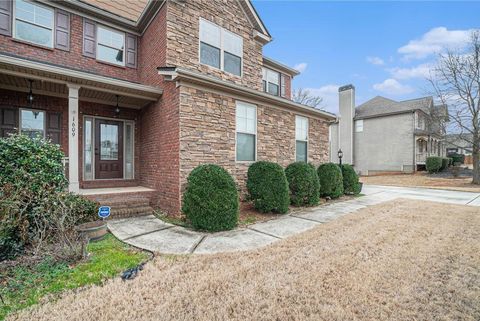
331	180
433	164
458	158
210	201
351	183
268	187
445	162
303	183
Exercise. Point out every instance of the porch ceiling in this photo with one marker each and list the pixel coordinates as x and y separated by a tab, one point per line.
53	80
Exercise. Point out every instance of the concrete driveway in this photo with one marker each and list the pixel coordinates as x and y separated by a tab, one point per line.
150	233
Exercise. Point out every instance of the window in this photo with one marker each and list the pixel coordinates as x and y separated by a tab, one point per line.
246	122
129	150
110	46
420	122
220	48
271	81
301	138
34	23
88	149
32	123
359	126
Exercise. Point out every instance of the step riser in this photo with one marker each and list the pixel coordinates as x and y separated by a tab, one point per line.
125	204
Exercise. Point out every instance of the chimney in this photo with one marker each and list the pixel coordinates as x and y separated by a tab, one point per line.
346	97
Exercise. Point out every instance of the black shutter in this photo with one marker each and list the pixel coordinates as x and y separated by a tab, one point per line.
54	127
8	121
6	17
62	30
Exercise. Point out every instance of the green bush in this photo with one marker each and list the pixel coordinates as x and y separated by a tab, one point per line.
445	162
303	183
331	180
350	180
35	209
433	164
31	162
210	201
450	161
268	187
458	158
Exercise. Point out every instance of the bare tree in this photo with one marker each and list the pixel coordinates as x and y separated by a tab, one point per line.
456	82
305	97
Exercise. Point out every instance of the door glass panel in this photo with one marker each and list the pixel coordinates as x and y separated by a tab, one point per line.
128	151
88	150
108	142
33	123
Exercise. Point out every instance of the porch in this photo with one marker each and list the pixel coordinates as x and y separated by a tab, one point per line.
95	119
426	146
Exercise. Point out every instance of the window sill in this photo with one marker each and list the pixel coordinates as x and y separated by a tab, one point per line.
24	42
110	64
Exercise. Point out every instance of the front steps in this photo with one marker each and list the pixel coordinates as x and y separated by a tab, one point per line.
124	202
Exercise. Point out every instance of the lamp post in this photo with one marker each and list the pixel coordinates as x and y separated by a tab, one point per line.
340	155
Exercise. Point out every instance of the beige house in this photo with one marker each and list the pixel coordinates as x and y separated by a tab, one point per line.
383	135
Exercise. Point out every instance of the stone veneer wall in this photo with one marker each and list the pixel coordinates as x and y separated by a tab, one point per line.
207	134
183	38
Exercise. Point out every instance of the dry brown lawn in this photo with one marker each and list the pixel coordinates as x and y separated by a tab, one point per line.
422	180
402	260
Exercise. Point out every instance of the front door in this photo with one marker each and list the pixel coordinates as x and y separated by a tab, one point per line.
108	149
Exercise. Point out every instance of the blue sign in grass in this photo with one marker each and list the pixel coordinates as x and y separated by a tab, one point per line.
104	211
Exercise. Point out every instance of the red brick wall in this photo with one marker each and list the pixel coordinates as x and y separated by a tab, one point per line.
70	59
288	87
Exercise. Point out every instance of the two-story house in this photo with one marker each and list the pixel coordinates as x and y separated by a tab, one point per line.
137	94
385	136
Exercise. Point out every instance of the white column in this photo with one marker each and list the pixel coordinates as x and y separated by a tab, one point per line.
73	119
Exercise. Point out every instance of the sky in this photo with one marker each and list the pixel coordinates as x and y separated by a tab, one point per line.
382	48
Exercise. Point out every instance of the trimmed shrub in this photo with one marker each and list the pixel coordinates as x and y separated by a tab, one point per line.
458	158
210	201
450	161
268	187
331	180
350	180
303	183
433	164
445	162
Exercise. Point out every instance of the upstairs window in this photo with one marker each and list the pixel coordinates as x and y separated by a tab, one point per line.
220	48
110	46
34	23
359	126
271	81
301	138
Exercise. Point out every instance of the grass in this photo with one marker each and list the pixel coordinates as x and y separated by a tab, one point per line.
400	260
22	286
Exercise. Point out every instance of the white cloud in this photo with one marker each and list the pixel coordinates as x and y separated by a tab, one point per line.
375	61
301	67
329	93
420	71
436	40
393	87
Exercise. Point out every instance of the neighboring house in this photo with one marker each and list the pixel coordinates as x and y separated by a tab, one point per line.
383	135
459	144
139	95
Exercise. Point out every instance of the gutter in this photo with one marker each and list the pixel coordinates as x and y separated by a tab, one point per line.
177	74
270	62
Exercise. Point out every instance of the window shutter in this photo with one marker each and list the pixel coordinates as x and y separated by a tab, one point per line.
8	121
131	51
54	127
89	38
6	17
283	80
62	30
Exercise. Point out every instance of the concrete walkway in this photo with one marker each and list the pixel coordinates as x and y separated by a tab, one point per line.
150	233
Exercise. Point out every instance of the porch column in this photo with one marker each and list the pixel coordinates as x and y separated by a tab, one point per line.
74	185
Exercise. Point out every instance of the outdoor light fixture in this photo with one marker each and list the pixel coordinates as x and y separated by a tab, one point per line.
30	94
117	108
340	155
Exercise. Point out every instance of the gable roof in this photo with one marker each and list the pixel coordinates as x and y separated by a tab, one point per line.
380	106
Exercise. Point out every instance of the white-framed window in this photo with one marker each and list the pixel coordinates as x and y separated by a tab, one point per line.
359	126
271	81
33	23
110	45
32	123
420	122
220	48
246	129
301	139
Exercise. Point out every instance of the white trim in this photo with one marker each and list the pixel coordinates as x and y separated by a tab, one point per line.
97	26
14	24
248	133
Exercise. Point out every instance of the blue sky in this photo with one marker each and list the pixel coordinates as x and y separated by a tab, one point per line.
383	48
